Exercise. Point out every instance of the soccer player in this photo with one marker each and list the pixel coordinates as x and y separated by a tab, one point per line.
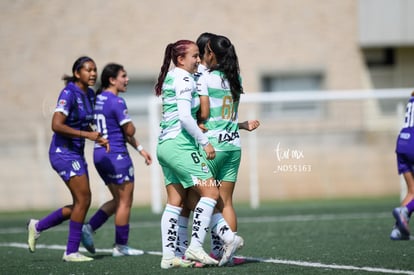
71	126
178	154
222	232
115	167
183	220
221	84
405	162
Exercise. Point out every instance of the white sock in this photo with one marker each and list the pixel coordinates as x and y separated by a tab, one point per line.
216	242
182	240
222	228
201	222
169	228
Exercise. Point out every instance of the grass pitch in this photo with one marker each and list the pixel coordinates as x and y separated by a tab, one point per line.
306	237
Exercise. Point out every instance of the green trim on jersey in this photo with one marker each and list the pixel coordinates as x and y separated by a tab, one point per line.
170	123
223	128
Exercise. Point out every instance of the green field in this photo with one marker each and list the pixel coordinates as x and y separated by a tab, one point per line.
307	237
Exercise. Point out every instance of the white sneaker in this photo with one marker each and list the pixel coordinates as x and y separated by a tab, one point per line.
175	262
230	249
87	238
397	235
75	257
402	217
124	250
33	234
198	254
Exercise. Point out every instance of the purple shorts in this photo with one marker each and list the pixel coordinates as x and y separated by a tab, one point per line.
405	163
114	168
68	165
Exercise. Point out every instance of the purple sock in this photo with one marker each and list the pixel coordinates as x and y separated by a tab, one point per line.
121	234
74	238
50	220
410	206
98	219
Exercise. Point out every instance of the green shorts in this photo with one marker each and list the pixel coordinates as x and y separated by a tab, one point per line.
182	163
225	166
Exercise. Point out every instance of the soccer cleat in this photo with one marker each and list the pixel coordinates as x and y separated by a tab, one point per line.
199	255
238	260
214	256
396	235
196	264
75	257
33	234
175	262
124	250
230	249
401	216
87	238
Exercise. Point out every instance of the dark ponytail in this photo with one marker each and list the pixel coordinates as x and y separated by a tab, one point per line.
77	66
227	63
111	70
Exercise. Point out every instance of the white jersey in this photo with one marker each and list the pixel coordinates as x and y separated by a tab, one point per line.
222	125
179	88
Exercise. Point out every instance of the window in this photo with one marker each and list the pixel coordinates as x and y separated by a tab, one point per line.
288	83
136	96
389	68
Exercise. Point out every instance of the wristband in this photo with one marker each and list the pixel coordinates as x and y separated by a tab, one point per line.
140	148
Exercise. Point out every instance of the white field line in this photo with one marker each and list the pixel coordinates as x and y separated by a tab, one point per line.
291	218
249	259
296	218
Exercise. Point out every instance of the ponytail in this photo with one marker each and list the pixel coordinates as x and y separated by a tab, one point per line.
172	52
164	69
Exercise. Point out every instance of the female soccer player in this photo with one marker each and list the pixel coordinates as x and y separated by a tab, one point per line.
405	162
223	234
178	154
115	167
221	84
71	126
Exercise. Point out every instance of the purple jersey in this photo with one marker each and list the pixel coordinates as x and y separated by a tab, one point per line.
78	109
405	141
111	113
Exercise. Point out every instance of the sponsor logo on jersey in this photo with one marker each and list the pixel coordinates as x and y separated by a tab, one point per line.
62	103
227	137
186	90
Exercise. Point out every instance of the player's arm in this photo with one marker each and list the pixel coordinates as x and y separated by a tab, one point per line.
249	125
129	132
59	127
204	112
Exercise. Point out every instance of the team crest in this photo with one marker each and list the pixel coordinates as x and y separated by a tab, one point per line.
204	168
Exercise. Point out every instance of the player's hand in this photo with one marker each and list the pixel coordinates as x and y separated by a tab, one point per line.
203	127
210	152
250	125
103	142
147	157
